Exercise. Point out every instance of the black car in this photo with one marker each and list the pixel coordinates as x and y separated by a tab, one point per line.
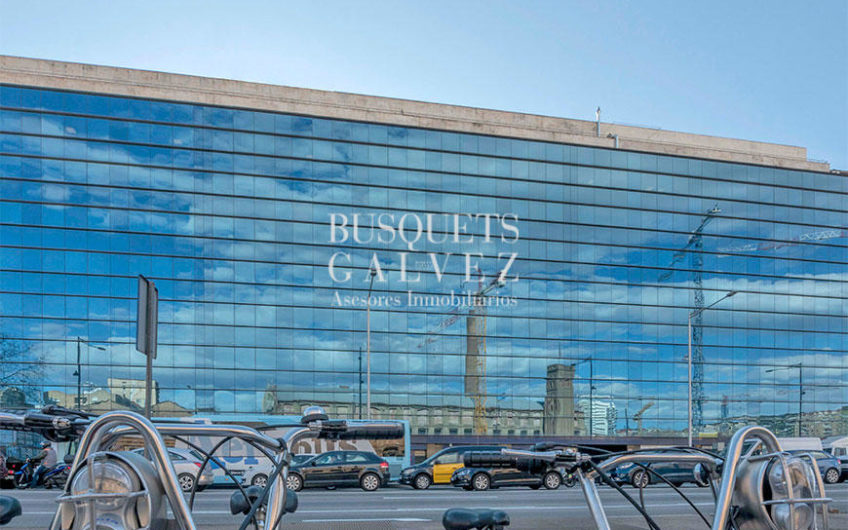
339	469
483	478
677	473
484	470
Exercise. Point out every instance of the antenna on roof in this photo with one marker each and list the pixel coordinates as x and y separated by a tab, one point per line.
598	122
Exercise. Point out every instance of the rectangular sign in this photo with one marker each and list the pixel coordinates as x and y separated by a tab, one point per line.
147	319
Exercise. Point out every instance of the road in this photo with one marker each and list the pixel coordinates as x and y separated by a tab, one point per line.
403	508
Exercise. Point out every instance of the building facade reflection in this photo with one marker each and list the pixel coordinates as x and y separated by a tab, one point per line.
229	209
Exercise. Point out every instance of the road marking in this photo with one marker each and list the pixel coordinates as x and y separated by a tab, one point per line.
437	497
398	520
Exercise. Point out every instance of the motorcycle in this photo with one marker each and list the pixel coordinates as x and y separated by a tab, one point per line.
56	477
23	476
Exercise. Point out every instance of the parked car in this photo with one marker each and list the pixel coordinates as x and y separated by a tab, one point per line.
338	469
843	476
439	468
677	473
187	465
257	474
829	466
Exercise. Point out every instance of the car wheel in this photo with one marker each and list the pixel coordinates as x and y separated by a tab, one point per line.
422	481
259	479
294	482
186	481
369	482
831	476
481	482
552	480
640	479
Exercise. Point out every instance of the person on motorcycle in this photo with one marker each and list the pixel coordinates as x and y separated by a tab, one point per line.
47	459
3	470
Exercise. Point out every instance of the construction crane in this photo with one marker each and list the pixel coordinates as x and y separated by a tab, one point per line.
638	416
475	356
694	248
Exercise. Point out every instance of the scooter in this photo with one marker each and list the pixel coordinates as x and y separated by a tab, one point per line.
56	477
23	476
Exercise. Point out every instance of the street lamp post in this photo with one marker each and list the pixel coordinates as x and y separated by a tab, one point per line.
360	382
78	373
800	368
692	315
368	345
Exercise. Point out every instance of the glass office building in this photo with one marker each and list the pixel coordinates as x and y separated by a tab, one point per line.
520	288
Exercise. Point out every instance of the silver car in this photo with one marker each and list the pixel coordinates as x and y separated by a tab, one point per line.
257	474
187	465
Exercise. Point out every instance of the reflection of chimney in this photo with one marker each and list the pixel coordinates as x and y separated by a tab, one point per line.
559	400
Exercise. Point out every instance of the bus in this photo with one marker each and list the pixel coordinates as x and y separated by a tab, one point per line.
250	466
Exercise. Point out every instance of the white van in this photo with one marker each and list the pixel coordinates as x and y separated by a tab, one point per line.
836	445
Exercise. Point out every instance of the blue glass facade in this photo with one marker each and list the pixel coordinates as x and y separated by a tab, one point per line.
231	213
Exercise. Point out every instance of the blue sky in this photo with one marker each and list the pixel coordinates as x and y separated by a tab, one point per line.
773	71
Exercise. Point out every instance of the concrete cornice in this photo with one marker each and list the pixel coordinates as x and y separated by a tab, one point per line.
320	103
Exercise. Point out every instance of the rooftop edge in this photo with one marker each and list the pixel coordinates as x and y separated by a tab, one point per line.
393	111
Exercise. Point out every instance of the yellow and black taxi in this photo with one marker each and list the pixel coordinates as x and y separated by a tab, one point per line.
439	468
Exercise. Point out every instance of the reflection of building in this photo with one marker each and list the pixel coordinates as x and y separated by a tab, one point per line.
559	400
12	398
223	191
204	398
435	420
99	400
821	424
133	390
603	415
17	444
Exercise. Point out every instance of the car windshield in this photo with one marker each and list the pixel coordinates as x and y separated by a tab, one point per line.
308	459
461	450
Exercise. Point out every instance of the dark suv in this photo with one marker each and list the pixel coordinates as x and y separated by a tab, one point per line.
338	469
675	472
484	470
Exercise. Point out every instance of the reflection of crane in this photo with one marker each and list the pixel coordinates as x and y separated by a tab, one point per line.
638	416
821	235
475	356
694	247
